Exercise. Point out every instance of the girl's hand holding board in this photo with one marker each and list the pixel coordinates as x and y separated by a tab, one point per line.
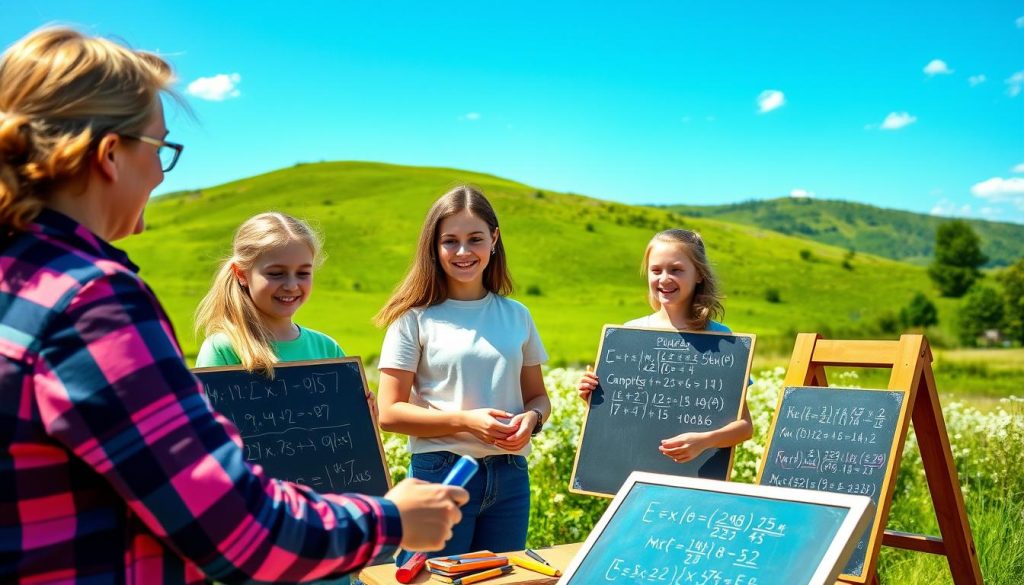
587	383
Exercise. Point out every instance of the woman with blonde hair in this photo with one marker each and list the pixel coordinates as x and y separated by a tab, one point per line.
113	469
460	370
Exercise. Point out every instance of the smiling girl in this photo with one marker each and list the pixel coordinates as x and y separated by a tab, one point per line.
248	313
683	291
460	370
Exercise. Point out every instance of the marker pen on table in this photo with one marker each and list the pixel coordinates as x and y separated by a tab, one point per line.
459	476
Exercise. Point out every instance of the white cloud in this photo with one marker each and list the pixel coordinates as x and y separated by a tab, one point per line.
937	67
947	208
801	194
897	120
770	99
1000	190
990	212
1018	168
471	116
217	88
976	80
1019	22
1016	82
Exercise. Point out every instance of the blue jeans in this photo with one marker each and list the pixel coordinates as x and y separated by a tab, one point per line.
497	516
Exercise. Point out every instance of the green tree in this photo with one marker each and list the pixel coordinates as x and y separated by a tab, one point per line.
1012	280
920	312
981	309
957	258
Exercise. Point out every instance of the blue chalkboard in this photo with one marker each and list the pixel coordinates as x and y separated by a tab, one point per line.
703	531
836	440
653	385
309	425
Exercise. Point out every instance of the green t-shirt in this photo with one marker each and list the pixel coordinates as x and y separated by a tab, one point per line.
309	345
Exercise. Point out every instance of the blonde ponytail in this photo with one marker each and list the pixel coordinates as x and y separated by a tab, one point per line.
228	308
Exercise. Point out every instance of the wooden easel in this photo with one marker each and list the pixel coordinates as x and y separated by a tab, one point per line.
911	361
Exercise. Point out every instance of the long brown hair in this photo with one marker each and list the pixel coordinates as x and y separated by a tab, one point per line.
229	309
425	283
60	92
706	302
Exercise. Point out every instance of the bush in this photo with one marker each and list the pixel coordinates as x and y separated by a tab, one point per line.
980	310
772	295
920	312
806	255
534	290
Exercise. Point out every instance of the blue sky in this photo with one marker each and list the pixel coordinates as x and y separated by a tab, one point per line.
911	105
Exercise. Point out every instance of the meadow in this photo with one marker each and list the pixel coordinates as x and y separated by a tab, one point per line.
575	261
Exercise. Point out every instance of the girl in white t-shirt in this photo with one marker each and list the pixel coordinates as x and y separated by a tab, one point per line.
683	291
460	370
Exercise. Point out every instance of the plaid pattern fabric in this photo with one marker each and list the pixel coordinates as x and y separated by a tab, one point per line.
113	468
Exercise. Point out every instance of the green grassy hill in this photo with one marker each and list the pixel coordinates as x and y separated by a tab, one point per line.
900	235
582	254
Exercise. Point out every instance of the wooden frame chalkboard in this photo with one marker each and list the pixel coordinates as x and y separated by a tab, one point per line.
668	529
845	440
910	360
310	424
654	384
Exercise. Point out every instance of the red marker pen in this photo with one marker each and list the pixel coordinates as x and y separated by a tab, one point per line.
412	567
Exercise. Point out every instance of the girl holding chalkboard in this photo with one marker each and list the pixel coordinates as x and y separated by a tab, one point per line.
683	291
460	370
248	313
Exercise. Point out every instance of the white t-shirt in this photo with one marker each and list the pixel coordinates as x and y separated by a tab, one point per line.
466	355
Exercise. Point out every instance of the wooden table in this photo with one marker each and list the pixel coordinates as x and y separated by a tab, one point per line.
559	557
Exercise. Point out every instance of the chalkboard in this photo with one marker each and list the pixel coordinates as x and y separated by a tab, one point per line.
840	440
654	384
309	425
665	529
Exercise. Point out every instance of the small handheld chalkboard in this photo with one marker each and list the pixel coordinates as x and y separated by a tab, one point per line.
843	440
310	424
654	384
666	529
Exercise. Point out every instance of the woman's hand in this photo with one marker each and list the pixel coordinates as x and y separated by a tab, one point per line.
587	383
485	425
524	423
684	447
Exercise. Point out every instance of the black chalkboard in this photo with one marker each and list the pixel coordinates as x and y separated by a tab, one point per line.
662	529
309	425
655	384
840	440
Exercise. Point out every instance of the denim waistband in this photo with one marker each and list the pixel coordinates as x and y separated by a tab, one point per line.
485	460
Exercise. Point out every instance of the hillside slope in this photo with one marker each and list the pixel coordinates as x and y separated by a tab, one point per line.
900	235
580	255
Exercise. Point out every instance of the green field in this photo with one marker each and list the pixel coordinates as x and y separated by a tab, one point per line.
582	254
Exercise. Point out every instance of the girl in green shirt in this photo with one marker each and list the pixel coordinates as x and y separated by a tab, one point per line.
247	317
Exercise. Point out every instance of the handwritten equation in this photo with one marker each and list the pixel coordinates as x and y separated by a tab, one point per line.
834	440
718	539
309	425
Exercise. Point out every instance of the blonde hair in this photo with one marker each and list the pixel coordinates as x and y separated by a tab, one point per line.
229	309
425	283
706	302
60	93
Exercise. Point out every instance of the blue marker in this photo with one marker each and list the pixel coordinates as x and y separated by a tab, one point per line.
464	469
459	476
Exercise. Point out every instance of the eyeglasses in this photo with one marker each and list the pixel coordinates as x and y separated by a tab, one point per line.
167	151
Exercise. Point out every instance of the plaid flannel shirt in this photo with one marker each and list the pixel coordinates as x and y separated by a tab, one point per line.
113	468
